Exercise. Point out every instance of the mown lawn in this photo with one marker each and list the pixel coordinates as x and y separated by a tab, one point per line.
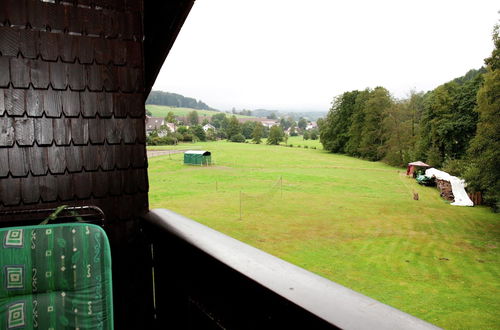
352	221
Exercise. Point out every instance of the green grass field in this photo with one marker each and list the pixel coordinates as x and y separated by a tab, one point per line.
352	221
163	110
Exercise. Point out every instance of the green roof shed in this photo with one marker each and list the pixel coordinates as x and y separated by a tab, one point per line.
197	157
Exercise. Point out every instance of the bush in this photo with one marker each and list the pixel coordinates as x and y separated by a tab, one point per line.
238	138
168	140
305	147
158	141
290	145
187	137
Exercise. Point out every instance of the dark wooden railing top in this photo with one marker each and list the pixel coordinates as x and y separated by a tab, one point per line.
334	303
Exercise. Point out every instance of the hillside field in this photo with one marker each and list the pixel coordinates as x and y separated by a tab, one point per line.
352	221
163	110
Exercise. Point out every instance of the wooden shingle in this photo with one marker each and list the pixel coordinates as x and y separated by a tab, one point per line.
18	161
71	103
10	191
107	157
128	131
121	103
30	189
39	74
113	133
139	156
4	162
9	42
5	69
48	46
2	102
99	184
79	130
82	183
68	47
28	43
52	103
34	103
119	49
85	50
101	51
57	159
48	188
74	158
58	75
88	104
19	72
44	131
94	78
6	131
61	131
97	130
109	78
76	76
115	183
24	131
14	100
123	156
91	158
64	187
136	108
38	160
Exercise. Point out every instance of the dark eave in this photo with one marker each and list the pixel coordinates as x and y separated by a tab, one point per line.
162	23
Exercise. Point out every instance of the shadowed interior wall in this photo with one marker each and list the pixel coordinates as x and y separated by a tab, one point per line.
72	124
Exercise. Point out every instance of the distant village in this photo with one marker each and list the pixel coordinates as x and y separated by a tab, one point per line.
173	129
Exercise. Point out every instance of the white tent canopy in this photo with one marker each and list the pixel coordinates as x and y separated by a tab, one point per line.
457	186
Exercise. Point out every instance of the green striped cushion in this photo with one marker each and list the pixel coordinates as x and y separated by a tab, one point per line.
55	277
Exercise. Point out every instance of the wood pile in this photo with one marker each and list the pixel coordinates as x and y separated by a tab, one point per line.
476	197
445	189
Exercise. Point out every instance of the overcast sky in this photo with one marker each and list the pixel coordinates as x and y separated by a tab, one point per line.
298	55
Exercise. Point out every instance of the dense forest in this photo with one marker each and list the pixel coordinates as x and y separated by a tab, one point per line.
175	100
456	126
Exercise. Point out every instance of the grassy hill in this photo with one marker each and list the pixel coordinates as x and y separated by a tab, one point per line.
352	221
163	110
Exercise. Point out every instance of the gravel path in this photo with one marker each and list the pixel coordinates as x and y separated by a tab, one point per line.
154	153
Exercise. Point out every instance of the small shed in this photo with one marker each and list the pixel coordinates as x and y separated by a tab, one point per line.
412	167
197	157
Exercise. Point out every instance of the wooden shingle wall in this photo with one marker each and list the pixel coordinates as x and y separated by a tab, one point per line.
72	125
72	105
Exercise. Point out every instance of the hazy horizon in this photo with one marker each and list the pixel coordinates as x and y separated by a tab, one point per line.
289	56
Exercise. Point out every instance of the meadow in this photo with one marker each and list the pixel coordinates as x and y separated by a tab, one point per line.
163	110
352	221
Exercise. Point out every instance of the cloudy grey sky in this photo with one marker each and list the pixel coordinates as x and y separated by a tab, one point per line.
298	55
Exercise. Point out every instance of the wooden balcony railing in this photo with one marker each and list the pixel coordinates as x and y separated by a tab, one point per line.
204	279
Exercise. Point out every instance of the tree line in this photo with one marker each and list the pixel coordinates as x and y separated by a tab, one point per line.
456	126
176	100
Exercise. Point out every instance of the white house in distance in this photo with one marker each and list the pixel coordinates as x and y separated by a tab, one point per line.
311	125
269	123
207	127
155	123
265	122
171	127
